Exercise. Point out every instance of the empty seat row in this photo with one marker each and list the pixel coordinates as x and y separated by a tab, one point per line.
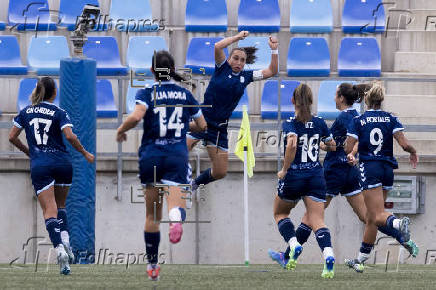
106	107
306	16
306	56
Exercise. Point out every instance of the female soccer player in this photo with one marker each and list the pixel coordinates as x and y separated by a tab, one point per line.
225	89
341	175
50	163
375	131
302	177
163	156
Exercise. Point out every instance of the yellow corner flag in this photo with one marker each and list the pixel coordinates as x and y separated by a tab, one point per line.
244	141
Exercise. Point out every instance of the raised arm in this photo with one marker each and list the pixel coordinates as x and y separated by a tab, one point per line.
404	143
274	65
132	120
291	149
13	138
220	56
74	141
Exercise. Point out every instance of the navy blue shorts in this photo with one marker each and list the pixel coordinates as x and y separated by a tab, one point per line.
213	136
342	179
170	170
49	172
375	174
298	184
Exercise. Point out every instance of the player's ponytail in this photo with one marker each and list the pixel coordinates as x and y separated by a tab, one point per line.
353	93
164	60
250	52
45	89
375	96
303	100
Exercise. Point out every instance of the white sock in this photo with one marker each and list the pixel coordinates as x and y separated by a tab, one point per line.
362	257
396	224
175	215
328	252
65	238
293	242
60	249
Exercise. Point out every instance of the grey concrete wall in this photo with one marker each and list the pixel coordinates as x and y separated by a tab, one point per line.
119	224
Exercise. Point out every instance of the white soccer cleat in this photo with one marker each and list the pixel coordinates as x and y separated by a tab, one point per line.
63	260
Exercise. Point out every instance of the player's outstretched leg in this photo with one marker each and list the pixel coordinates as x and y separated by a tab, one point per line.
324	241
286	229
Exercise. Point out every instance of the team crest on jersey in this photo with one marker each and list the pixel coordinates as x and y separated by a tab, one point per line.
242	79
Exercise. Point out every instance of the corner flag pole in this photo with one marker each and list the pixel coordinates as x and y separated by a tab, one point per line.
246	240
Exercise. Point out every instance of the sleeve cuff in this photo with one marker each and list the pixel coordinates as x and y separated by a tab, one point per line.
291	133
67	125
329	138
139	102
397	129
220	64
17	125
198	114
257	75
353	135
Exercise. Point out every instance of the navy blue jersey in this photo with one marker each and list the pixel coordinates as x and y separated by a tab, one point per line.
374	130
43	125
165	123
339	132
224	92
309	136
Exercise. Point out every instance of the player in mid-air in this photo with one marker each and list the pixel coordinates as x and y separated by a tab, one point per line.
341	174
302	177
166	109
50	163
225	89
375	131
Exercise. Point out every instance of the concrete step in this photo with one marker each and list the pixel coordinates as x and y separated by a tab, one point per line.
422	112
415	62
410	88
424	41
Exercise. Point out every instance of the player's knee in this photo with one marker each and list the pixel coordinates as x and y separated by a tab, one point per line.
219	174
371	218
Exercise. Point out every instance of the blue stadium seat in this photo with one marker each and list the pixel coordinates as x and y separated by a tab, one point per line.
104	50
206	16
10	59
263	54
2	26
359	57
139	11
25	91
71	10
259	15
201	55
326	99
237	113
30	15
308	57
269	105
141	50
363	16
45	53
311	16
105	100
131	93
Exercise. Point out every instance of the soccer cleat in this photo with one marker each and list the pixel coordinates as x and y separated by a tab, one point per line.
355	265
69	251
412	248
153	272
278	257
293	256
63	260
404	228
176	232
329	268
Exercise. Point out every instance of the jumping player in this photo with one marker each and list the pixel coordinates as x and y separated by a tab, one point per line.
302	177
341	174
375	131
50	163
163	156
225	89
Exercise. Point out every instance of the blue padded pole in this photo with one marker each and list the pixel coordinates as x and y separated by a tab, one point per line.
78	98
